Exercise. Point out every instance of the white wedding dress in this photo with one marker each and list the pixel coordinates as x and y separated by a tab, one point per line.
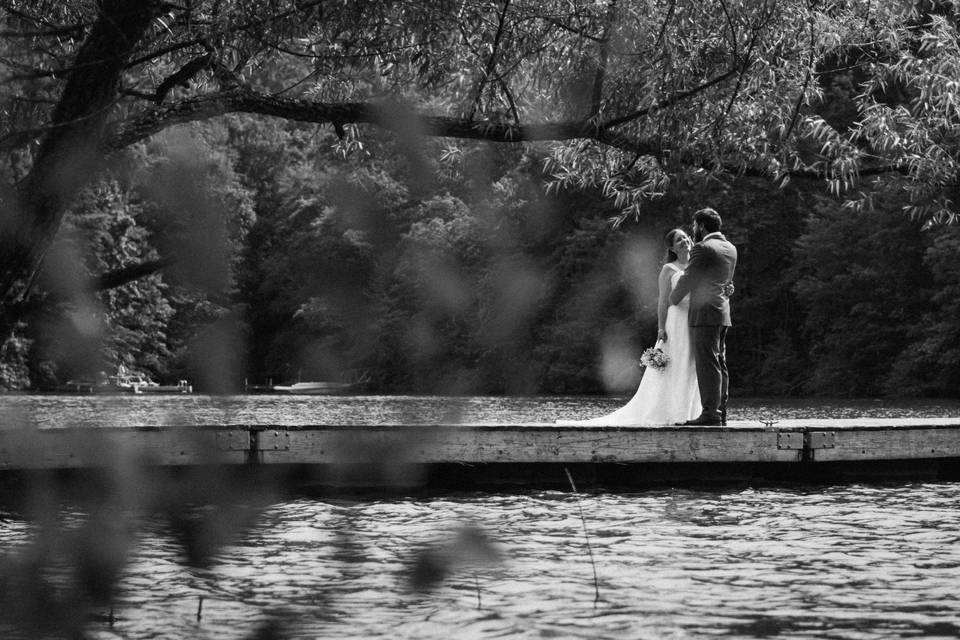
665	396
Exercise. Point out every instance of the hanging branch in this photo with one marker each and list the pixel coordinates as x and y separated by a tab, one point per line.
733	32
511	102
122	276
669	101
747	61
603	59
803	89
491	61
666	21
183	76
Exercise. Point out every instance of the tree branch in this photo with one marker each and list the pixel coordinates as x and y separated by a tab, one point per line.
736	89
183	76
600	77
395	117
666	21
806	83
17	139
668	102
510	101
304	7
241	100
577	32
66	158
76	30
50	28
122	276
153	55
733	33
492	60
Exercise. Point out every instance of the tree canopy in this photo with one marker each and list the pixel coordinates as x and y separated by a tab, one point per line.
628	94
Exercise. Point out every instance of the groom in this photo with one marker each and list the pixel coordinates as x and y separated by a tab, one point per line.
709	281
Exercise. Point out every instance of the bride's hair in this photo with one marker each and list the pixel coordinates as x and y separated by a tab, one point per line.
668	243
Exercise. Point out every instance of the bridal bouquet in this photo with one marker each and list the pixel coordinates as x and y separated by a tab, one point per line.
654	358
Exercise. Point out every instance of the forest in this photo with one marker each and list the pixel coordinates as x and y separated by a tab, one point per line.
474	201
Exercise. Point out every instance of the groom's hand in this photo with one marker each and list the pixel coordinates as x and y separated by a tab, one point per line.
662	336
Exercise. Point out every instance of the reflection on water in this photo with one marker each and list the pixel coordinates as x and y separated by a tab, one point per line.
840	562
145	410
852	561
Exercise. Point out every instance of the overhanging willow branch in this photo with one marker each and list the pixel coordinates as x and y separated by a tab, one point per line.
669	101
391	116
398	117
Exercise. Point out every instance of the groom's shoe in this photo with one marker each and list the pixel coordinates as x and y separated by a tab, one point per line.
723	417
703	421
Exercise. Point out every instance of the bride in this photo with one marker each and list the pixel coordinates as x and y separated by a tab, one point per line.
669	395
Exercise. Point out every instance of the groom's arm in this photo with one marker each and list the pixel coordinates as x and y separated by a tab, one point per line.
686	281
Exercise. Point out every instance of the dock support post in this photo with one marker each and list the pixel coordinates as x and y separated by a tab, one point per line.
253	453
806	454
813	440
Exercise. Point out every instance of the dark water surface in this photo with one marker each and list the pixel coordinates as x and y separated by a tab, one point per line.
851	561
130	410
831	562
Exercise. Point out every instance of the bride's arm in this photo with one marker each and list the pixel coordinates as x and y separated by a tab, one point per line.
663	302
694	270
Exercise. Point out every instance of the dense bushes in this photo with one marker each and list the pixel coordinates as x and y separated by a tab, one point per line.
480	281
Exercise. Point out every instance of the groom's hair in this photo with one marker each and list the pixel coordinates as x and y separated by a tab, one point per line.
709	219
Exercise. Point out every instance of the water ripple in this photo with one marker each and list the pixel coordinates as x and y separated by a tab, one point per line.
857	562
849	561
147	410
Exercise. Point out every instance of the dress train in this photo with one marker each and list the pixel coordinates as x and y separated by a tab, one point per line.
665	396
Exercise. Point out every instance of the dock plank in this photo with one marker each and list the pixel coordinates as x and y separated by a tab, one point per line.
889	444
527	444
71	448
778	442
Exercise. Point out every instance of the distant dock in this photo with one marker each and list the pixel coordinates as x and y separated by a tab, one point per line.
479	455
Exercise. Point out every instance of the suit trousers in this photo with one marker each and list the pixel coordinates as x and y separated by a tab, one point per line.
710	353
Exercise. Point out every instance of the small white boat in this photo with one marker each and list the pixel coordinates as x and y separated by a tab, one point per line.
313	388
132	382
182	386
125	381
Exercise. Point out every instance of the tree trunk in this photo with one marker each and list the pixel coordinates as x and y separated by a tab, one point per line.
69	155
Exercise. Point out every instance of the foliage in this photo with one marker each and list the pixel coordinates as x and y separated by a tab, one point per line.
861	281
322	220
104	231
634	95
128	218
307	239
764	347
234	155
14	365
928	364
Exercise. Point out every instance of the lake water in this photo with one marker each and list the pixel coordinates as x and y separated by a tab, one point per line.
849	561
130	410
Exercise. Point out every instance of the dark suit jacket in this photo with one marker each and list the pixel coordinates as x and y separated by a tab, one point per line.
711	266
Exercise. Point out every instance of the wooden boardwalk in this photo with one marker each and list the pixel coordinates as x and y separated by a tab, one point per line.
787	448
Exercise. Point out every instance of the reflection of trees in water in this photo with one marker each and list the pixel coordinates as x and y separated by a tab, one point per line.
65	580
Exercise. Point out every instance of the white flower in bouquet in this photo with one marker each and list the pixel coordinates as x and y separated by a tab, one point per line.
654	358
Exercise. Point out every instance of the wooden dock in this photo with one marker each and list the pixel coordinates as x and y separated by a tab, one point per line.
525	454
